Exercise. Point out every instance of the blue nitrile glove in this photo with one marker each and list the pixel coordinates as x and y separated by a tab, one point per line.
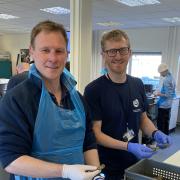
162	139
140	151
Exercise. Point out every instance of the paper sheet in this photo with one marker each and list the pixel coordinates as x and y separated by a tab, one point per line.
174	159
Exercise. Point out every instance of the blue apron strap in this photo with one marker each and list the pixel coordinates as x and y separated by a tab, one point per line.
70	83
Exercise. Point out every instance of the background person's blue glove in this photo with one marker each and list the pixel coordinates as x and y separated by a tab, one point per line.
139	150
162	139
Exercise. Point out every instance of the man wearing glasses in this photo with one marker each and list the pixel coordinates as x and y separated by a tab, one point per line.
118	105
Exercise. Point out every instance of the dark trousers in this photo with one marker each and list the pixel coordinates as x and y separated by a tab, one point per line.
163	120
112	176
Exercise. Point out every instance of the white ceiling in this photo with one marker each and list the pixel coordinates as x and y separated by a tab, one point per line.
103	10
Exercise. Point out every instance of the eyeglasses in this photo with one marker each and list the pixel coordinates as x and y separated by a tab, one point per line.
113	52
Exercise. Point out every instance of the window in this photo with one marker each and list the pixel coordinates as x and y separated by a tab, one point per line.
144	66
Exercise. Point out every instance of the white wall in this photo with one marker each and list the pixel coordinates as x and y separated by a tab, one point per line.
148	39
13	43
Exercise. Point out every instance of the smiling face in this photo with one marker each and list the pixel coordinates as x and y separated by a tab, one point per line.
49	54
118	63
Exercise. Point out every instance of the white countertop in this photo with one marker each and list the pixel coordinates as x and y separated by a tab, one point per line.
174	159
3	81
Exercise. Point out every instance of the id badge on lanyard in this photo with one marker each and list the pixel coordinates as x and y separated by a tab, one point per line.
128	135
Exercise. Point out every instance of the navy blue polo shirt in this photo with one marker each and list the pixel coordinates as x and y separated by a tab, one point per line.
119	106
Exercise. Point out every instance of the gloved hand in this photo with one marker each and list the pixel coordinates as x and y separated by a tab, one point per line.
79	172
139	150
162	139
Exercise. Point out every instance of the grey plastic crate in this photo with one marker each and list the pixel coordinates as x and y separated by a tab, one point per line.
148	169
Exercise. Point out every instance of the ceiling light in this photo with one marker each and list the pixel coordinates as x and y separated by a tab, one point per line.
109	23
172	20
7	16
56	10
133	3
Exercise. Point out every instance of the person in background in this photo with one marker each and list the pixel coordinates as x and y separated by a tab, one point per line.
46	130
118	106
103	71
166	95
22	74
67	65
24	66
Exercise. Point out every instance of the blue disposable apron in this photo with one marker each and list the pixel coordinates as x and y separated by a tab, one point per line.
161	98
166	102
59	133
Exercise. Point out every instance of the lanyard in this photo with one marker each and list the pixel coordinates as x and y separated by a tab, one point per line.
127	111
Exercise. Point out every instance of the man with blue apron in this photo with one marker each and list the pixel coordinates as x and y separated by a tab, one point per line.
46	130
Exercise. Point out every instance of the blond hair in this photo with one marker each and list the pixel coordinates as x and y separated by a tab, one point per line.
114	35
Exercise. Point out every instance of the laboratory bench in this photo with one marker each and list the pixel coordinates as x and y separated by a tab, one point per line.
152	111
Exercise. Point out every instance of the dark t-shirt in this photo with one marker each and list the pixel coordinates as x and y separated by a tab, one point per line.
118	105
